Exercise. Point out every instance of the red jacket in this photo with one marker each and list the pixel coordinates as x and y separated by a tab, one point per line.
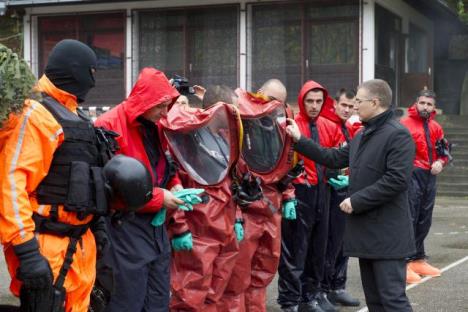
328	111
415	125
329	134
151	89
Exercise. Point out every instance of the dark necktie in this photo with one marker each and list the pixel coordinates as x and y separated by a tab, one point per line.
314	135
427	134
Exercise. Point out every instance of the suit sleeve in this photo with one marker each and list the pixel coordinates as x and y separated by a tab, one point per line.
335	158
395	179
25	160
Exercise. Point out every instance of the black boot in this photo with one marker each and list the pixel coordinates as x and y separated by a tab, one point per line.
324	303
290	309
311	306
341	296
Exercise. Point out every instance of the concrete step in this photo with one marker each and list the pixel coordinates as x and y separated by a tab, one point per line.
453	181
454	188
460	152
451	178
452	121
452	193
450	131
458	141
452	170
457	136
460	162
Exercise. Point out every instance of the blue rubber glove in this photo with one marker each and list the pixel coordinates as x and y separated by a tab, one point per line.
183	242
190	198
289	209
239	230
340	183
159	218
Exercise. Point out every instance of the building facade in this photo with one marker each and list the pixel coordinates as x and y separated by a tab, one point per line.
338	43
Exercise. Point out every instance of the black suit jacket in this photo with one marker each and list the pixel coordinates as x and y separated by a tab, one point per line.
380	161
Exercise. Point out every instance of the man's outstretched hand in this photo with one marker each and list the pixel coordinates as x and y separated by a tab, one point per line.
293	130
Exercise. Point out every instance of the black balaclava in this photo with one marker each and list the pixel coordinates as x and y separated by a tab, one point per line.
69	67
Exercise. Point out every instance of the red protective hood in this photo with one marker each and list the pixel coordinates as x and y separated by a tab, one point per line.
328	111
309	85
413	113
152	88
184	120
255	105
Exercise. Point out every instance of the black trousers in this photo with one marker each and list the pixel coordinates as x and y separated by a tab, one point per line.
384	284
303	246
421	195
140	256
336	264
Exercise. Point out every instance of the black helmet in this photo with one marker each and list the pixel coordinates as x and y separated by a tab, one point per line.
128	181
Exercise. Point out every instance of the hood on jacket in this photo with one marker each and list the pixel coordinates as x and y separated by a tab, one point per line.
309	85
413	113
328	111
152	88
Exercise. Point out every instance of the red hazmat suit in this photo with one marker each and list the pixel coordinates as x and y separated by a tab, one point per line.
205	143
267	154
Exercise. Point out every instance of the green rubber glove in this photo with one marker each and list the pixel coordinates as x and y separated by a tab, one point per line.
289	209
159	218
340	183
239	230
190	197
183	242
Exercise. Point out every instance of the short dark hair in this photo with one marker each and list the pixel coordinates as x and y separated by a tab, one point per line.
349	94
380	89
427	93
217	93
317	90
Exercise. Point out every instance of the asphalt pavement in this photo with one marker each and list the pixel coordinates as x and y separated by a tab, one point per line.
447	246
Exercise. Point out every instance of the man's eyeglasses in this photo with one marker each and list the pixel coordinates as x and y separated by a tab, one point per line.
359	101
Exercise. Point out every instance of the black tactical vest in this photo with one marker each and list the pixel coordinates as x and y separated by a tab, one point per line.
75	177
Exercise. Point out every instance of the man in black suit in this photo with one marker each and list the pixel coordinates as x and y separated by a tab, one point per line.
378	227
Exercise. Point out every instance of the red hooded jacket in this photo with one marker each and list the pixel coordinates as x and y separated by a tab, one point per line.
328	111
415	125
151	89
329	133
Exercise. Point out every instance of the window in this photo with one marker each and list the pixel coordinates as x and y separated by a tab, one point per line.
200	44
105	34
388	45
302	41
417	50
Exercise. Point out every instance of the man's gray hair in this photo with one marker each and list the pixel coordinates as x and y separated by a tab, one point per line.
378	88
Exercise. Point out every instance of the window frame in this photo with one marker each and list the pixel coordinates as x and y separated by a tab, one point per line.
185	9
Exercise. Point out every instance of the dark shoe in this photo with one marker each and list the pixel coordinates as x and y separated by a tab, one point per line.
290	309
341	296
311	306
324	303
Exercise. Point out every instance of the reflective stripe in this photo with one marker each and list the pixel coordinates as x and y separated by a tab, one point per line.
56	134
11	177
